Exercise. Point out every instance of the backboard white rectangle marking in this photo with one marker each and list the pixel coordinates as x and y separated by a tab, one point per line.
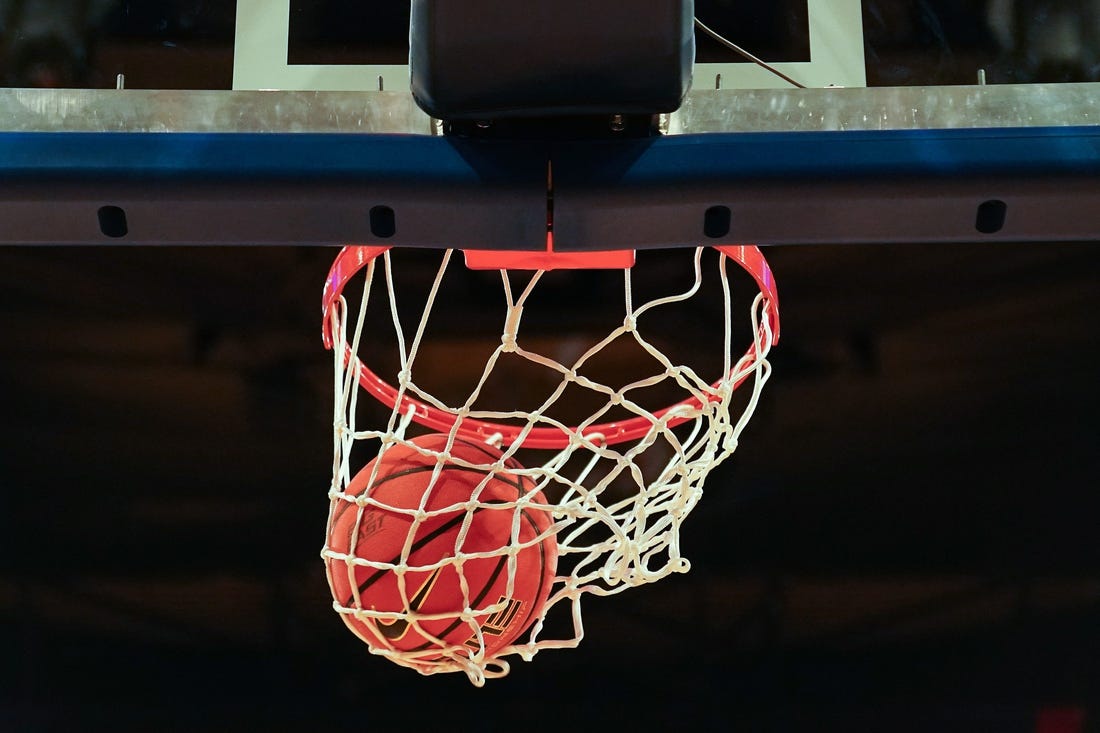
263	38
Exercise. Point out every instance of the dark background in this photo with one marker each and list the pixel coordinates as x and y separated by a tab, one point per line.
905	541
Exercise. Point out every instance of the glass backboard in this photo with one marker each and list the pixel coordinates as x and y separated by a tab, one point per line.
350	45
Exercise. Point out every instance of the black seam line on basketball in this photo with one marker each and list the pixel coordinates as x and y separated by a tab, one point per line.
419	544
397	628
449	524
474	603
487	586
381	482
520	487
480	447
542	555
511	462
517	485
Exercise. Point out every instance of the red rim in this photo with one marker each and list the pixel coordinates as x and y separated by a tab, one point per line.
353	259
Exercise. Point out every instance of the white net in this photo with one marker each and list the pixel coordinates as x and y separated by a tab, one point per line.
515	515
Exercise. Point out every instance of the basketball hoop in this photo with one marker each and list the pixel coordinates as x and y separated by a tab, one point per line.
613	510
353	259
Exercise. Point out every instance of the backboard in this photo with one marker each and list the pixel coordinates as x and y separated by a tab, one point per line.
825	48
344	45
922	153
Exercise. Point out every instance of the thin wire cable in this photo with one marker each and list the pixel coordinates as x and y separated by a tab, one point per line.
737	49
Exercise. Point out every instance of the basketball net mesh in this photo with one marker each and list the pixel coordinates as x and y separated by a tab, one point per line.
608	539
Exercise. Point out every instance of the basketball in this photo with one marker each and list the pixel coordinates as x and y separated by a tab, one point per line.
476	514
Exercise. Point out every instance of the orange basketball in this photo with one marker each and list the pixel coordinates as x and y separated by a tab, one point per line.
381	534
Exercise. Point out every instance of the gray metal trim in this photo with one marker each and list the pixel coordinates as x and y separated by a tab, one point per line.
142	111
889	108
705	111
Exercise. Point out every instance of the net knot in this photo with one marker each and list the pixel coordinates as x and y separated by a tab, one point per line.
511	328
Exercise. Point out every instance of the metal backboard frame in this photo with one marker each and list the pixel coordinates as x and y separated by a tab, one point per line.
814	166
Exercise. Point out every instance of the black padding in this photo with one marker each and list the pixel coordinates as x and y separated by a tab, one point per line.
491	59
